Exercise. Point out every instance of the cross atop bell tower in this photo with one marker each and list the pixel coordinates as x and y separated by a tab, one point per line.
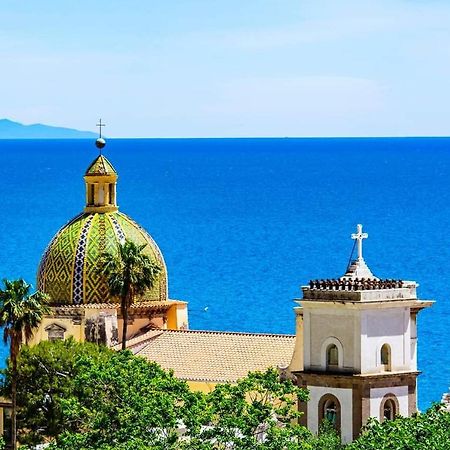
358	267
359	236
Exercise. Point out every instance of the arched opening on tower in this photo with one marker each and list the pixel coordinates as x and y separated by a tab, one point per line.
91	194
330	411
389	407
332	356
385	357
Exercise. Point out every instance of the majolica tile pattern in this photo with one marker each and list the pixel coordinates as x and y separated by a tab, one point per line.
69	270
100	166
80	255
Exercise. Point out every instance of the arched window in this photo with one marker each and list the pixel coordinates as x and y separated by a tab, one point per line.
112	200
385	357
91	194
332	356
330	410
389	407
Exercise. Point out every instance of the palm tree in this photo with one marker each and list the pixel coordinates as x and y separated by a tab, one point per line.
129	273
20	313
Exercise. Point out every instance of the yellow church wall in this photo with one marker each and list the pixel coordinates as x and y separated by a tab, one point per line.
75	330
136	324
201	386
177	316
297	358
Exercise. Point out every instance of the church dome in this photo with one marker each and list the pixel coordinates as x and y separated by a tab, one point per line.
69	269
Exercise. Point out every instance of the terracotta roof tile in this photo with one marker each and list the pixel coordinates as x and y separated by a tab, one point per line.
215	356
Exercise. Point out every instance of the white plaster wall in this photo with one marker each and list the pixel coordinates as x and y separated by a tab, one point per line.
337	323
413	327
377	394
385	326
345	398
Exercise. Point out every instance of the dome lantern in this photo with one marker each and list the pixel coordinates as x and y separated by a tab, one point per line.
101	181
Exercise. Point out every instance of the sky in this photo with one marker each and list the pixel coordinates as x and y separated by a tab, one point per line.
229	68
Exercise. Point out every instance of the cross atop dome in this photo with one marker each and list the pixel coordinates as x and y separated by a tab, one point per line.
100	142
358	267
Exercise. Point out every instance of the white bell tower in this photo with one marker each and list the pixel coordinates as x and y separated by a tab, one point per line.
359	347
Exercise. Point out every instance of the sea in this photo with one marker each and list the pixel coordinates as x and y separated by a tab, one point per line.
244	223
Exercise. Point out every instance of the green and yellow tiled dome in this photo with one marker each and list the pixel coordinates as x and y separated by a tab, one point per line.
69	269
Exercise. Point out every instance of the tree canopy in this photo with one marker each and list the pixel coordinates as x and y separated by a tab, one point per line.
20	313
86	396
430	430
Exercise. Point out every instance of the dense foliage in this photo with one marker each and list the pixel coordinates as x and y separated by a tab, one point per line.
427	431
46	377
20	313
84	396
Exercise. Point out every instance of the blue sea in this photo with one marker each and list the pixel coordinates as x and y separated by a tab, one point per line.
243	223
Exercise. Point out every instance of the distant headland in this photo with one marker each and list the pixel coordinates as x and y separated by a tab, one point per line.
16	130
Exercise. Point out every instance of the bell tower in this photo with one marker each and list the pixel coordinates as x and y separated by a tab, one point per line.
359	335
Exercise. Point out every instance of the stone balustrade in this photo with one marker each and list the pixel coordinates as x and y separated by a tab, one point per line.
350	284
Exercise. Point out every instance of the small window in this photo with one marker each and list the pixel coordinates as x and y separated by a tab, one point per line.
389	410
55	332
112	200
332	355
91	194
385	357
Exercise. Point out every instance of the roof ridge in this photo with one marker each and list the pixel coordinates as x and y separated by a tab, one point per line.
141	339
241	333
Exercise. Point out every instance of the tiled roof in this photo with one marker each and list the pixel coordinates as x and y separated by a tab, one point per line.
215	356
101	166
69	271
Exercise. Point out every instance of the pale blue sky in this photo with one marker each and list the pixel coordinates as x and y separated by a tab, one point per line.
188	68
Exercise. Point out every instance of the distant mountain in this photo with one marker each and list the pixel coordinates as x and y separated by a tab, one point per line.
16	130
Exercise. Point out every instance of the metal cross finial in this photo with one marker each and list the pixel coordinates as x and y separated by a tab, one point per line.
359	236
100	126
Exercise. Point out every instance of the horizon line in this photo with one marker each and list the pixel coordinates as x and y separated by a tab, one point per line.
224	137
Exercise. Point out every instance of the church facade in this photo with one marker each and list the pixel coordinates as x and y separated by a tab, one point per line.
355	347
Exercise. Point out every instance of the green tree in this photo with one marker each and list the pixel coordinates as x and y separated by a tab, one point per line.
127	402
259	411
84	396
129	273
20	313
46	374
430	430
